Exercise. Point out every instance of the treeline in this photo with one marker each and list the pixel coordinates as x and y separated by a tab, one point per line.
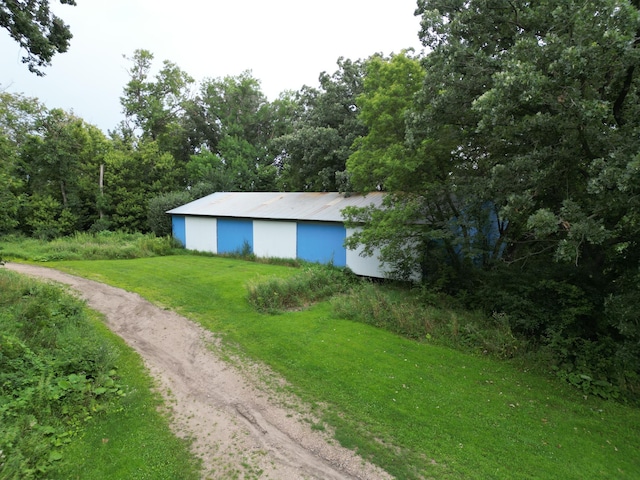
510	154
60	175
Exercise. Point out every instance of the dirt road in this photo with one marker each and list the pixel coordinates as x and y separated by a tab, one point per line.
242	426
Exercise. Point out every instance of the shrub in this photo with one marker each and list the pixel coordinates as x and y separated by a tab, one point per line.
46	218
159	221
56	373
314	283
591	344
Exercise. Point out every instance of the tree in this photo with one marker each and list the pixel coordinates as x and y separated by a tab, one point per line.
61	162
238	119
236	106
313	155
422	227
157	106
133	176
159	221
518	104
36	29
19	117
9	199
529	114
382	159
406	230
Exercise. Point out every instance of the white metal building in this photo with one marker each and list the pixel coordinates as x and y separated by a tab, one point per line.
307	226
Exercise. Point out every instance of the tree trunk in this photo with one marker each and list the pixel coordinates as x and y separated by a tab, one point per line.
101	185
64	194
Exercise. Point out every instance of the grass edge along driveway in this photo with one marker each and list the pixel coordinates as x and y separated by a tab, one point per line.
417	410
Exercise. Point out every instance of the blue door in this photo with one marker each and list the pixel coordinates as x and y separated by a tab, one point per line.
178	229
322	242
233	234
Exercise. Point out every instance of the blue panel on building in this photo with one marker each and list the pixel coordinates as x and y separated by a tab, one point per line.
322	242
233	233
179	229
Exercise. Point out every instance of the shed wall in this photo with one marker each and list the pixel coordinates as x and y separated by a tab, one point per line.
367	266
202	234
311	241
274	239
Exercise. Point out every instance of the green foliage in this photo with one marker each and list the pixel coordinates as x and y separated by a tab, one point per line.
236	107
36	29
313	155
46	218
240	122
206	167
154	106
9	201
61	160
132	178
517	157
159	221
62	397
314	283
567	321
56	374
90	246
381	159
427	318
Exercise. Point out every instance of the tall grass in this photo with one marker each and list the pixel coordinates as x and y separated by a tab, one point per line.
56	373
396	310
310	285
404	312
88	246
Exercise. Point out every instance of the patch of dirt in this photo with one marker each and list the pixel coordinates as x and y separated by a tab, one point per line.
241	423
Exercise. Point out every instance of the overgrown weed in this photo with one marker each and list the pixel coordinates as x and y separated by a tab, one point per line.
314	283
398	309
410	314
56	374
104	245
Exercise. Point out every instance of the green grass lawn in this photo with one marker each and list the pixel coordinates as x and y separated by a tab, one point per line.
415	409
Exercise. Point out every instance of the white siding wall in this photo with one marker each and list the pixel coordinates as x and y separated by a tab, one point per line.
202	234
274	239
368	266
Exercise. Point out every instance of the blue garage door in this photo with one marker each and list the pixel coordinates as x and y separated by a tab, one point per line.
322	242
233	234
178	229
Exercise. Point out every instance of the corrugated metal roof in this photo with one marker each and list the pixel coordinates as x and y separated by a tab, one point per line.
325	207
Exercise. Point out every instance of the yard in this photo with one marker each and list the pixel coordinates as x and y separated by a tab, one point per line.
415	409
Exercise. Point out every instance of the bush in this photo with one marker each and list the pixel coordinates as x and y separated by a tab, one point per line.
46	218
159	221
56	373
314	283
590	344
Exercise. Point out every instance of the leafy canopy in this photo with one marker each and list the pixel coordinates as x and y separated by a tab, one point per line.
36	29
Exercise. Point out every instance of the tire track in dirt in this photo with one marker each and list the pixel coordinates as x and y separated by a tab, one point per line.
239	425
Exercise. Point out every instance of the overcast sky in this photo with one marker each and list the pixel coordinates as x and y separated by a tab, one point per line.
285	43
